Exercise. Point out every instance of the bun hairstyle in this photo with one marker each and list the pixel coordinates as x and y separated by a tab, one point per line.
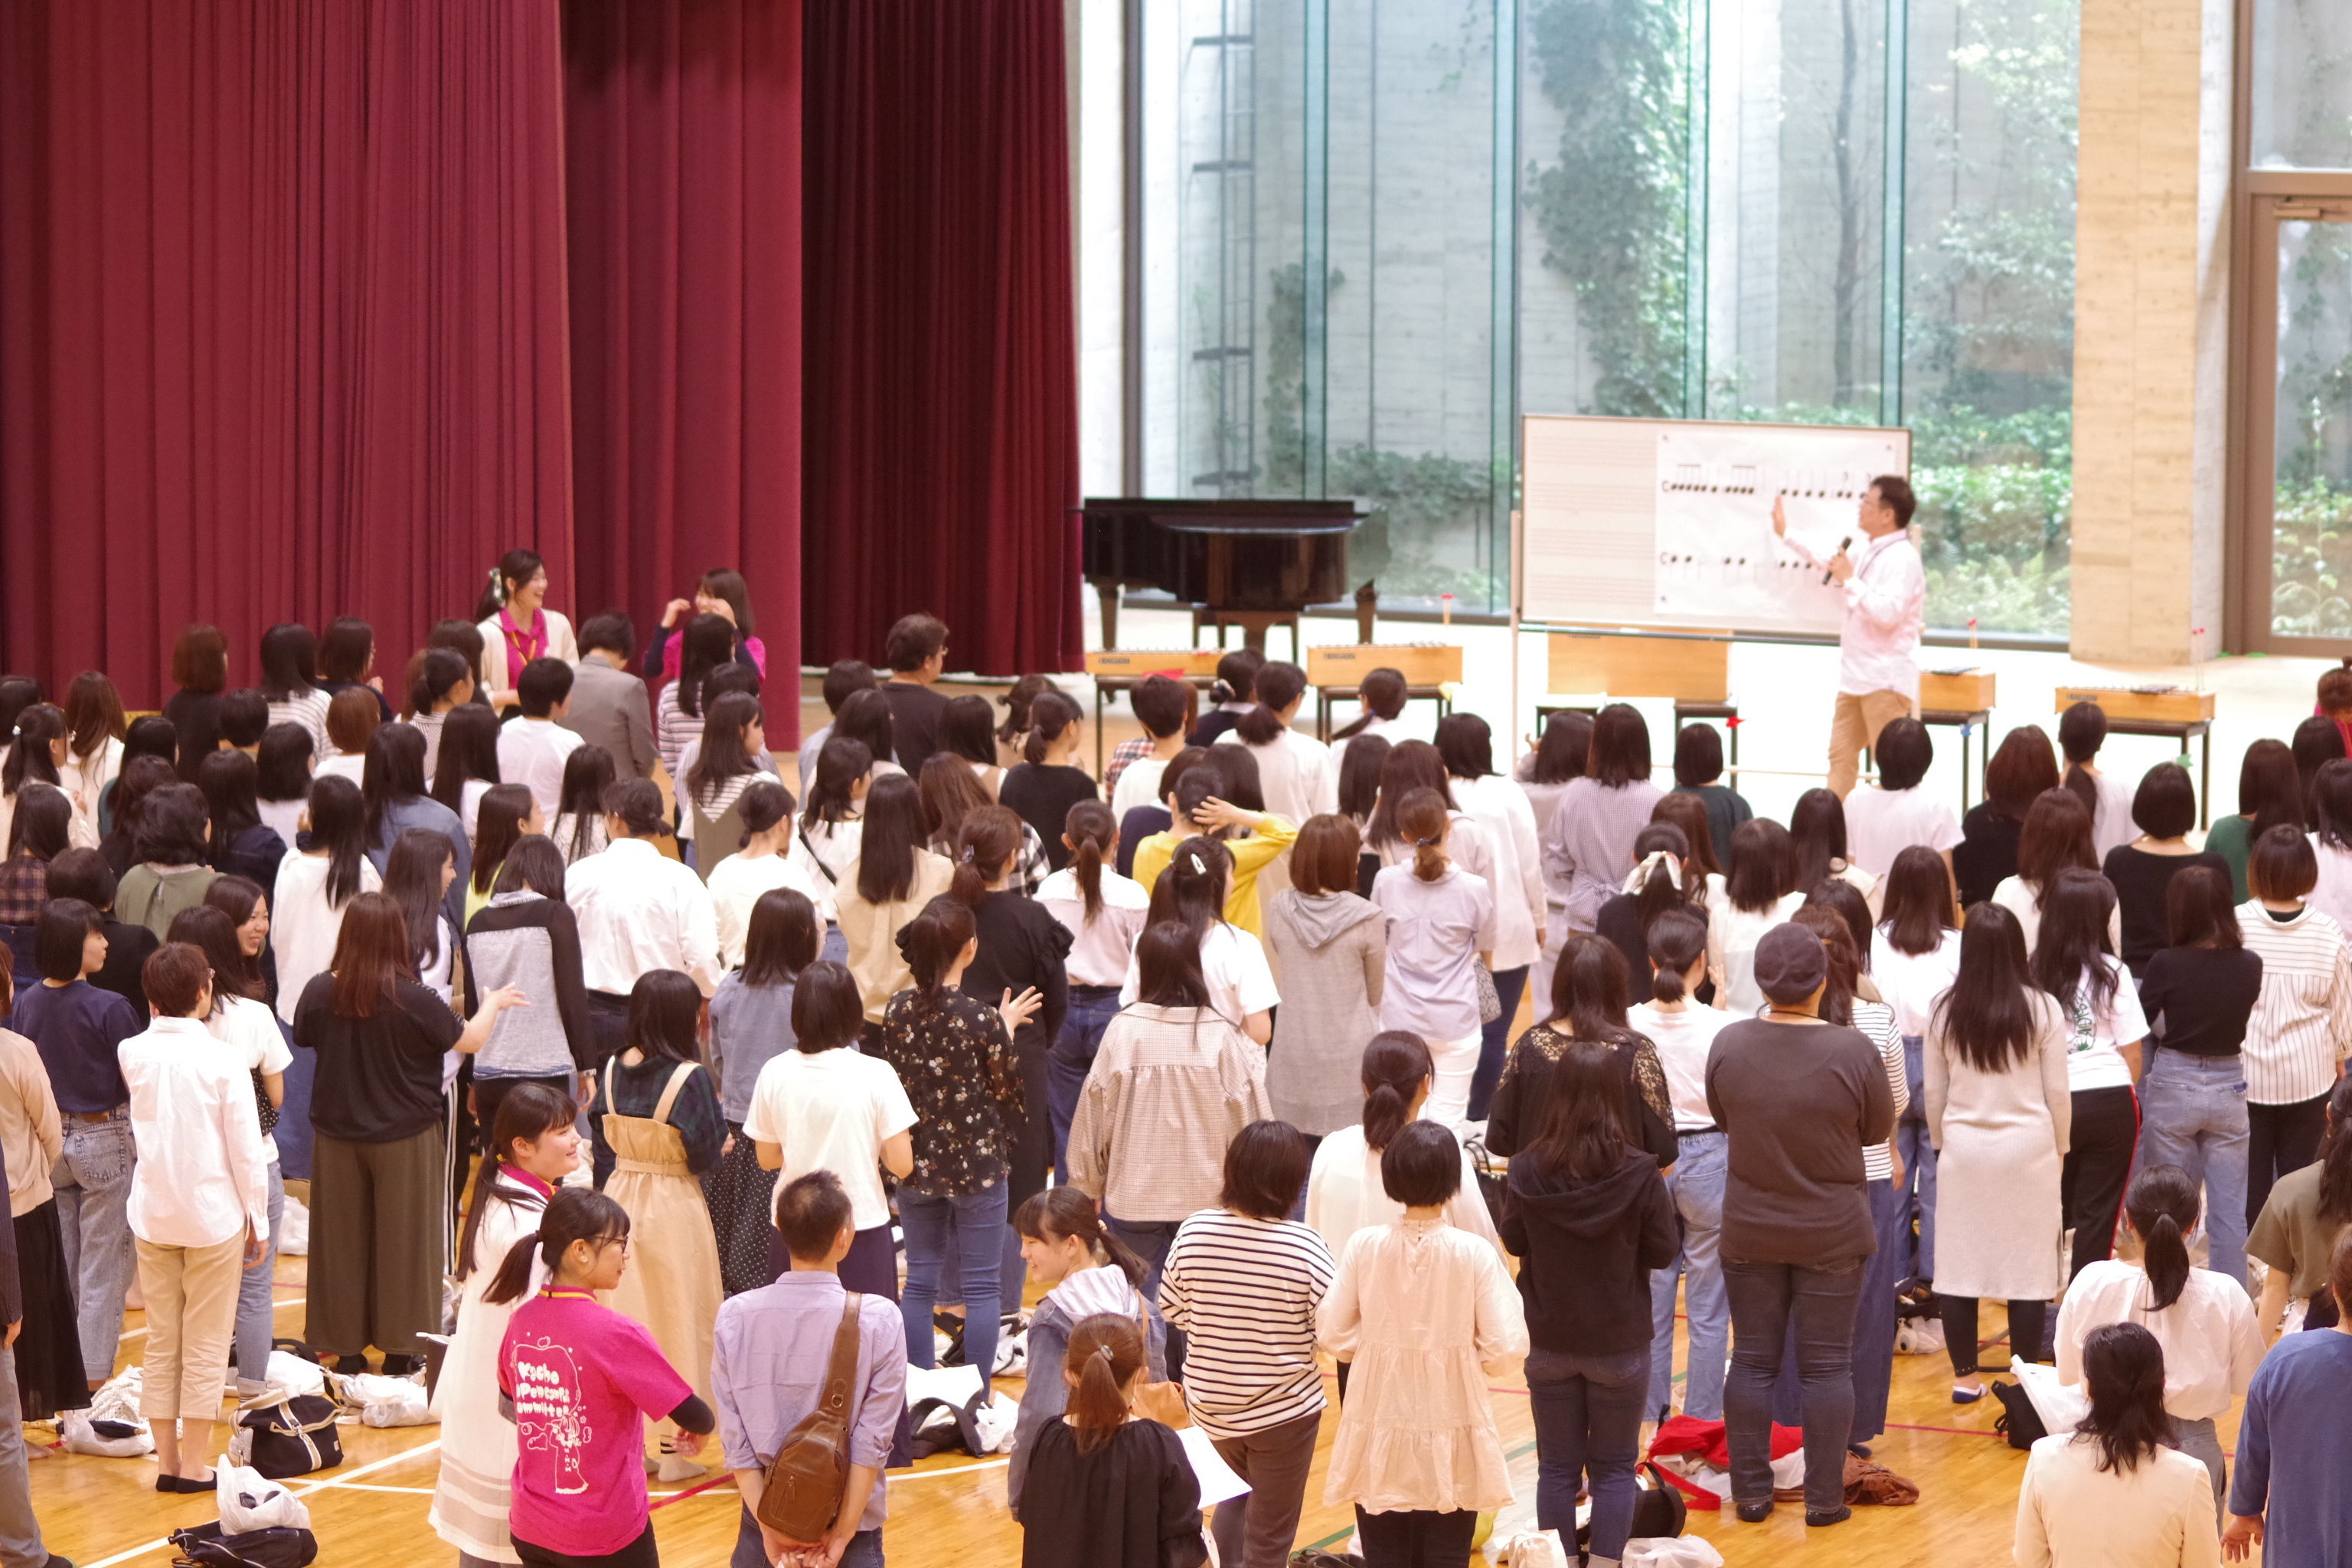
985	845
1017	700
1382	693
2162	1204
1105	1353
1279	686
1844	963
1422	820
1094	833
529	1113
1051	715
1677	939
573	1214
1396	1065
1236	676
931	942
762	808
515	568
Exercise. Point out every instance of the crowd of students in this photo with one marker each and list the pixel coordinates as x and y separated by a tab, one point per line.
1205	1049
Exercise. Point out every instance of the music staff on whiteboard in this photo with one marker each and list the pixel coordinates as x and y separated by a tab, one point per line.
1885	612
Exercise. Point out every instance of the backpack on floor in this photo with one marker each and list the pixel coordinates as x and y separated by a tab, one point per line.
207	1546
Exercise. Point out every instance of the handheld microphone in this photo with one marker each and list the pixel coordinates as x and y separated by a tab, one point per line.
1844	544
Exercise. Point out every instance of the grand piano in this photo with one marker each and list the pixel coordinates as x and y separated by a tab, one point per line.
1255	563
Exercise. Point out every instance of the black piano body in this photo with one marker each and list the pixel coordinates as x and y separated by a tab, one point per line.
1255	563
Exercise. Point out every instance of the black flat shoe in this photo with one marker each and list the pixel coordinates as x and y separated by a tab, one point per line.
351	1365
182	1484
402	1365
1755	1512
1837	1515
1859	1450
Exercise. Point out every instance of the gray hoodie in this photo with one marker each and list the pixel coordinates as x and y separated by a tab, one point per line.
1332	947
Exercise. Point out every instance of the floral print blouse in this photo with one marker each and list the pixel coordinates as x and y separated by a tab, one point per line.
956	1062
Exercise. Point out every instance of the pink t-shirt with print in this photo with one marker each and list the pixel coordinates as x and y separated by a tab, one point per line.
582	1378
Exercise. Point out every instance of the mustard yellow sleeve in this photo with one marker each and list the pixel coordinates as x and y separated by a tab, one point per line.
1269	838
1151	857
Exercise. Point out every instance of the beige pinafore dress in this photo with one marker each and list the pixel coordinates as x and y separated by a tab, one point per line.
672	1284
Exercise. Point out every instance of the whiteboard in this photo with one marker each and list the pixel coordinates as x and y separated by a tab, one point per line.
1668	522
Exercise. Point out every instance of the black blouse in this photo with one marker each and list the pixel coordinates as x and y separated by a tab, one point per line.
1516	1117
1042	797
2141	882
1986	855
1131	1503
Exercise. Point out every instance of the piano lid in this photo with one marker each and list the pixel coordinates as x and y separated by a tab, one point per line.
1242	516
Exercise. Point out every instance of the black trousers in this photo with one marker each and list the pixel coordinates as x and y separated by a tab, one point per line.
2279	1139
637	1553
2026	1321
2098	1165
1416	1538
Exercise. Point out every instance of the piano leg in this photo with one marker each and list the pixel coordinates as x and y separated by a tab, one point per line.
1255	623
1107	595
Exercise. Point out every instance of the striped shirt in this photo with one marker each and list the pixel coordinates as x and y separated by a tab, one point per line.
2301	1023
1876	1022
1245	1291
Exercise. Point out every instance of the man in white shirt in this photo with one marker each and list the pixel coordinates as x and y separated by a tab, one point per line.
1885	612
638	911
532	748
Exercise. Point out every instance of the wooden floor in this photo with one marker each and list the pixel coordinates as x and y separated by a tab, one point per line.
372	1510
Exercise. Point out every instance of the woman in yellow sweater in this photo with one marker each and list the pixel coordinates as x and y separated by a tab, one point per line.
1197	800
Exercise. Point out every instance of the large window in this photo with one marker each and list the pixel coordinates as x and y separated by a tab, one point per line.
1377	231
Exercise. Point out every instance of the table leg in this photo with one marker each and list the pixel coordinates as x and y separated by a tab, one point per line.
1098	713
1322	715
2205	781
1967	730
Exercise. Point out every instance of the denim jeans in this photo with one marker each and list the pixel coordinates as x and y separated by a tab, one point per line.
1766	1298
1918	1151
256	1303
20	1530
864	1551
929	1222
1695	1184
1072	1053
1494	1040
1587	1411
2192	1114
292	1134
92	1177
1874	1316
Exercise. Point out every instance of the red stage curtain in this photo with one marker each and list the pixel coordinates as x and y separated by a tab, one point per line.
683	154
942	442
281	319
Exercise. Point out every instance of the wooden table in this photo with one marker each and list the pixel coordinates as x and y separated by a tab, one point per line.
1337	672
2180	715
1124	670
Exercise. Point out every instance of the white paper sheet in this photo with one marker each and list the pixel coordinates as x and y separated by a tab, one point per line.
1217	1479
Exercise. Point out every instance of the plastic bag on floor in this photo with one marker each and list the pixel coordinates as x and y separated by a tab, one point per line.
1920	1336
294	1230
1671	1552
1533	1549
249	1501
380	1401
295	1375
2060	1405
112	1428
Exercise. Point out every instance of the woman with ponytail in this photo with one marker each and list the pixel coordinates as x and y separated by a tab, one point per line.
1682	1030
1047	781
1296	772
1665	879
1195	806
2082	731
533	1146
1343	1185
1235	694
1442	926
517	626
2204	1321
445	683
35	754
709	642
1086	1270
1021	948
1108	1487
1383	695
954	1052
1334	949
2115	1492
581	1380
1195	891
1104	912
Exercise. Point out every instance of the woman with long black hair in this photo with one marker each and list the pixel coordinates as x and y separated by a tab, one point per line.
2000	1110
242	845
445	683
720	592
1195	888
2115	1492
751	1025
657	1127
578	826
2269	794
290	680
466	768
2204	1321
533	1145
894	875
281	783
393	791
2106	1029
36	754
709	642
1588	1003
824	841
316	884
1914	955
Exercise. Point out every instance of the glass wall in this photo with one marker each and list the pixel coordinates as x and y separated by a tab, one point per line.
1379	230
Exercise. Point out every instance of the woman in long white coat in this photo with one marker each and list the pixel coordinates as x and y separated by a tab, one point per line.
1998	1112
536	1147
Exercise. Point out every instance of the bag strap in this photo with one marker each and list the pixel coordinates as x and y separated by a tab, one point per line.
670	1091
829	875
841	1370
